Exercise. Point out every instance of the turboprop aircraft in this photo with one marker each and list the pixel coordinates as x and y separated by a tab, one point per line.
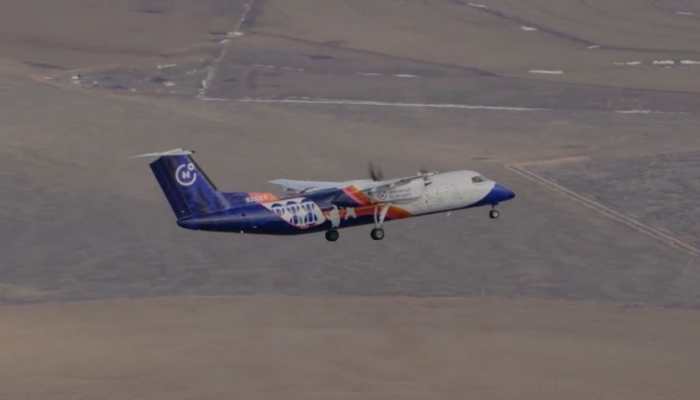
314	206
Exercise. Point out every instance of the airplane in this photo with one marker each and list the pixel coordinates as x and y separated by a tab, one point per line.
317	206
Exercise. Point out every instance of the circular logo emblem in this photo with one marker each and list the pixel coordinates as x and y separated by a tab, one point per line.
186	174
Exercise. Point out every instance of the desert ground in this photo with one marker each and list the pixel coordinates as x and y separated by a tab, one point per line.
588	285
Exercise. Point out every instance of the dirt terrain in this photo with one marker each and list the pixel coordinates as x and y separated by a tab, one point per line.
585	288
346	348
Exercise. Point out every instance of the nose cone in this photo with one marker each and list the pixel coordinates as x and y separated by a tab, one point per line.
501	193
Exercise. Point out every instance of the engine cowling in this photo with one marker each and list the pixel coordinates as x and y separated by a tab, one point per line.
400	193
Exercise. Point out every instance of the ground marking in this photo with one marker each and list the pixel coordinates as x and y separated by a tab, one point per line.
391	104
213	68
626	220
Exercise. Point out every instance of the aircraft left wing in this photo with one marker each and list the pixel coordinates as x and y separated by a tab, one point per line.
291	185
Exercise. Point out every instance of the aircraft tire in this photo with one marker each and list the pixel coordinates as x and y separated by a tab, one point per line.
494	214
377	234
332	235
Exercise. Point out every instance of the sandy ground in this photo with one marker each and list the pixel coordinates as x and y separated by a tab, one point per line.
342	348
315	90
496	37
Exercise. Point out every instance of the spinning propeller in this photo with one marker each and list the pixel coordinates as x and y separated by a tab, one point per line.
376	173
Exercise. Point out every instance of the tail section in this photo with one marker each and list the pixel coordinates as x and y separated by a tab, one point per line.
187	188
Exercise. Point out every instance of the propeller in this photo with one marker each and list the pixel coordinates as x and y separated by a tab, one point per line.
375	172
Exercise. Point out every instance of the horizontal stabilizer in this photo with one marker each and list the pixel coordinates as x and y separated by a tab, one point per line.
173	152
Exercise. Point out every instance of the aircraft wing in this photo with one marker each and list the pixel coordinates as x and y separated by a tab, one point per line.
389	185
291	185
401	189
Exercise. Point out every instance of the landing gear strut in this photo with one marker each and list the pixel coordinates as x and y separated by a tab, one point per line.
379	215
493	213
332	235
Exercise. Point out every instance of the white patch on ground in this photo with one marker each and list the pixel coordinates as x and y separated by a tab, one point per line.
374	103
690	62
528	28
629	63
477	5
686	13
663	62
546	71
634	111
406	76
281	67
168	83
166	66
204	98
370	74
593	46
244	17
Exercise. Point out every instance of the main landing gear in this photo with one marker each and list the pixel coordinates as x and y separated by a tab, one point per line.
379	216
332	235
380	212
377	233
493	213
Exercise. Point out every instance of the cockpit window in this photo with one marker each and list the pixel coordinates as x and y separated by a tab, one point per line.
478	179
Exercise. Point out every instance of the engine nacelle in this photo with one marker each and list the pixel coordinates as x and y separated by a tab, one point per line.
401	193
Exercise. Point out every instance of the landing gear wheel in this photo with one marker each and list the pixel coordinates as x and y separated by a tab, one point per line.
494	214
377	234
332	235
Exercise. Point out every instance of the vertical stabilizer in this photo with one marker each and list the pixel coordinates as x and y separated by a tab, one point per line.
187	188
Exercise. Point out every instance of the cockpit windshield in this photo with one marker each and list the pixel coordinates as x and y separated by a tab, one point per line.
478	179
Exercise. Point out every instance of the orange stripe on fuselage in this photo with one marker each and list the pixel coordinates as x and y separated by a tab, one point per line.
357	195
366	205
262	197
393	213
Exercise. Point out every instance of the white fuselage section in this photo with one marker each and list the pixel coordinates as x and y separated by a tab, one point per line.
449	191
429	194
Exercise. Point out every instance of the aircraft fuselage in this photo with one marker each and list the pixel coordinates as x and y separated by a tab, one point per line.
340	208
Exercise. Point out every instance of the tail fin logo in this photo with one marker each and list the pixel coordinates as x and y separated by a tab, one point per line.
186	175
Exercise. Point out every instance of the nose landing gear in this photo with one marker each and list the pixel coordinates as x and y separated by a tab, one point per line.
493	213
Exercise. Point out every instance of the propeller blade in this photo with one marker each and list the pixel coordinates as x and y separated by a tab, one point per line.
375	172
